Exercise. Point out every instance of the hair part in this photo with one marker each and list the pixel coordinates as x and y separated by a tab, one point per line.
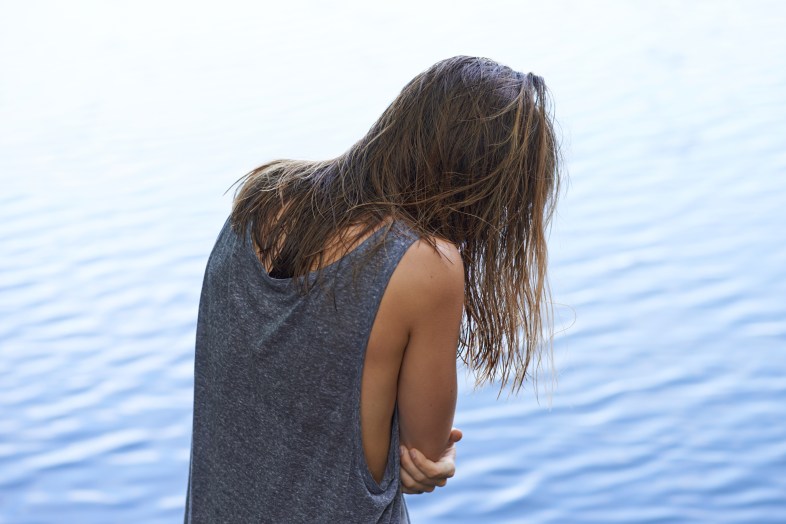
466	152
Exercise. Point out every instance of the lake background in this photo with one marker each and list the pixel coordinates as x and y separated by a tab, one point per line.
122	125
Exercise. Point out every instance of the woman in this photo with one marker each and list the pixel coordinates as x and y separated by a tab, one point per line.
340	293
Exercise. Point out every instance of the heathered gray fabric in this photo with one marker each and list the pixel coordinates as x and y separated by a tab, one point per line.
276	432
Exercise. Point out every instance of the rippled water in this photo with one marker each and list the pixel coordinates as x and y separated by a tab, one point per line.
122	126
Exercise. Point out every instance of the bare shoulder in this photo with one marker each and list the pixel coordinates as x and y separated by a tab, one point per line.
442	266
428	277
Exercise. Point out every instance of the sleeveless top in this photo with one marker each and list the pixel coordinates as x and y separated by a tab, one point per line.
277	378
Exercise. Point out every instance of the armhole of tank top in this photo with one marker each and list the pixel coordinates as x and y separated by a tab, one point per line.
401	244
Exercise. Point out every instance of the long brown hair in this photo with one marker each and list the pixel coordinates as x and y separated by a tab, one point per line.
466	152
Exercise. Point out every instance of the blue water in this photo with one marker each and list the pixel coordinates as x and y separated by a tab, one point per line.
121	126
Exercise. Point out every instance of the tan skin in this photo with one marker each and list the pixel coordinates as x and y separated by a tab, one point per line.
411	358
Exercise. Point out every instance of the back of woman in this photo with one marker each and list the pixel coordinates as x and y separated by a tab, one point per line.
340	293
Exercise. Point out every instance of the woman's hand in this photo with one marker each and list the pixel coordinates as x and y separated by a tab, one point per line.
420	475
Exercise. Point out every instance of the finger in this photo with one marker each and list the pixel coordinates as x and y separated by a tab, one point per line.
412	472
413	486
411	491
409	466
445	468
408	478
455	435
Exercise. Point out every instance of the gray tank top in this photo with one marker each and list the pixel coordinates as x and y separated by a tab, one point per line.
277	379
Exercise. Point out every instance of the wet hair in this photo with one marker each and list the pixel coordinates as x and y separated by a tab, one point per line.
466	152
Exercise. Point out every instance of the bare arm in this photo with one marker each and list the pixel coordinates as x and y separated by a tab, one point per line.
432	305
